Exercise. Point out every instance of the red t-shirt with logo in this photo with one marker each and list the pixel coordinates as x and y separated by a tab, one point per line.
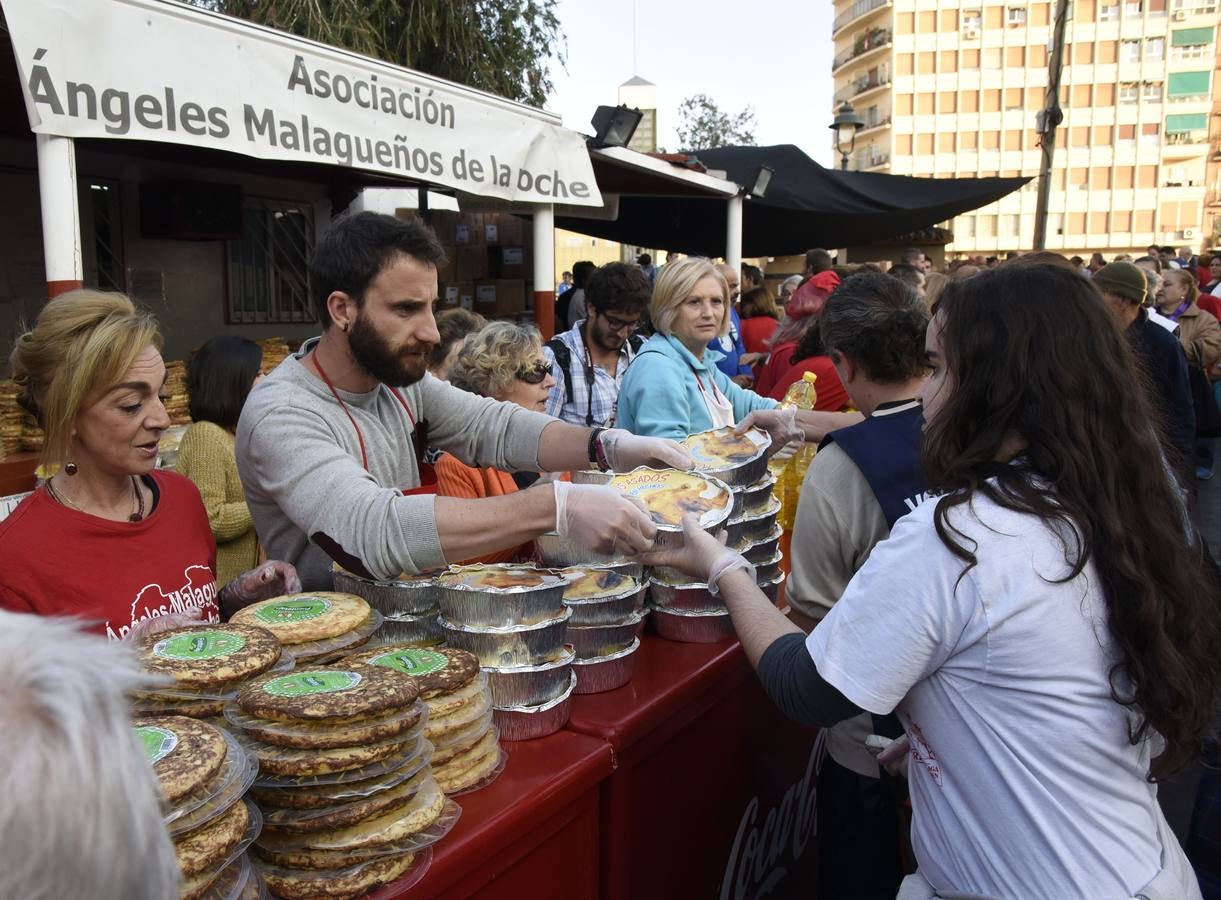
56	561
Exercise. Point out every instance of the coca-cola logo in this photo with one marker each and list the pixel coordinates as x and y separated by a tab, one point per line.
765	846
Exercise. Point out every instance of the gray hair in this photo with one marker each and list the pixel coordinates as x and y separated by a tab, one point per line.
491	358
82	813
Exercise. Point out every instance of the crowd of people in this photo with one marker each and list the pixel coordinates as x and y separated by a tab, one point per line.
1000	599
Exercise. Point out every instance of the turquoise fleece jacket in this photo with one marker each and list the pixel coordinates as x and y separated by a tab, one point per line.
660	397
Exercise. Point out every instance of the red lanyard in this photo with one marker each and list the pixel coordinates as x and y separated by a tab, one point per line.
364	459
717	396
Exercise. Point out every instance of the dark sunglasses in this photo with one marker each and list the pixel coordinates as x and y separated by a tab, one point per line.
617	324
535	375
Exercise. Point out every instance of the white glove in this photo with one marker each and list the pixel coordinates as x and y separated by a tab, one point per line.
625	451
168	622
599	518
271	579
781	426
702	556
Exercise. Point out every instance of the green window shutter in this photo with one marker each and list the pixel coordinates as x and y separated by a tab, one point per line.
1185	37
1188	84
1186	123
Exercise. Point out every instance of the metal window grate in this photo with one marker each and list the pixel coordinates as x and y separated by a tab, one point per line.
269	266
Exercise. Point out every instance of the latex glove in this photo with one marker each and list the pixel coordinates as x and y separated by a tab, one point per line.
781	426
894	758
272	579
168	622
599	518
701	555
625	451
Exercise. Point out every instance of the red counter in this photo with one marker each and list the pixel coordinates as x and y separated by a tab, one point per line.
532	833
713	791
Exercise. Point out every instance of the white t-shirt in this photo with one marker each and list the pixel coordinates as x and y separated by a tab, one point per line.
1023	782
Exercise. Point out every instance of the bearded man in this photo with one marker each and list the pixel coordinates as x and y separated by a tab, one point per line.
329	445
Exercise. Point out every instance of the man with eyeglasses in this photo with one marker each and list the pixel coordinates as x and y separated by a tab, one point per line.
590	359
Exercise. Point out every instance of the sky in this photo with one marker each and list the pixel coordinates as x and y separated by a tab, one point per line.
774	55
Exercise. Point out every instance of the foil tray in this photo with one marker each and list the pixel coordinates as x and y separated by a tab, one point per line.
487	606
740	472
617	603
524	723
393	597
692	627
689	596
752	499
530	685
606	673
602	640
515	646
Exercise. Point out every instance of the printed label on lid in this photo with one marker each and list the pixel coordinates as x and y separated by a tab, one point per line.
302	684
199	645
157	742
412	662
295	609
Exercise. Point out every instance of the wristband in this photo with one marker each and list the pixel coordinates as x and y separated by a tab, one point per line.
725	563
594	450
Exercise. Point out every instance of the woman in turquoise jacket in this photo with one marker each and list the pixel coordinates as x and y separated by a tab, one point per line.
673	387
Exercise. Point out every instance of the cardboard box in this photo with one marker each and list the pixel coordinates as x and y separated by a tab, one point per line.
448	270
447	296
466	295
510	231
500	297
472	263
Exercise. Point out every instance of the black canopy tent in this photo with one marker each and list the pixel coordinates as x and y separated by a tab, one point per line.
806	206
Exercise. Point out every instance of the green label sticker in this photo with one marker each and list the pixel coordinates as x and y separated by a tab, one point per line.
412	662
157	742
199	645
302	684
296	609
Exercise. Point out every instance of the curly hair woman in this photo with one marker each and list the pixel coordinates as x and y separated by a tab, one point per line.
1046	628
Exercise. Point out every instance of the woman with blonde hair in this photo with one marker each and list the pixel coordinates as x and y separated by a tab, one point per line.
110	538
505	362
674	387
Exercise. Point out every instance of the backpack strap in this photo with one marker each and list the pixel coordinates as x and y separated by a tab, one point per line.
635	341
564	357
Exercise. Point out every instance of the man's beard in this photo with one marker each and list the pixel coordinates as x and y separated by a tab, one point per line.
608	341
375	356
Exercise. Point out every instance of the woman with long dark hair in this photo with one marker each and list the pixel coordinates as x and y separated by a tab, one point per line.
1046	627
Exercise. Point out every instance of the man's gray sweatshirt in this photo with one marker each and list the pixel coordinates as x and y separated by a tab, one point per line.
299	457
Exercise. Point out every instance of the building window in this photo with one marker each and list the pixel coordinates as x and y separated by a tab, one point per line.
926	63
993	17
1125	176
1129	51
1129	92
948	102
964	227
1015	57
903	145
1146	176
970	58
1191	43
1108	52
1013	139
1100	179
1099	223
968	140
1015	15
949	61
1083	54
949	20
1108	12
1150	133
1155	48
1151	92
1121	220
1132	7
1143	223
1191	128
992	140
903	104
1081	95
1076	223
1013	98
986	226
992	57
1036	56
1186	86
970	101
1010	225
1040	14
269	267
1104	95
924	104
992	100
924	145
1055	222
945	142
972	21
102	235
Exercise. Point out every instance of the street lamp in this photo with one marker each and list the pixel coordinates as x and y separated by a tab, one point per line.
847	123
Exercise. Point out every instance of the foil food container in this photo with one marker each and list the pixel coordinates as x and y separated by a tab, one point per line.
520	645
767	570
485	595
621	597
602	640
742	468
762	550
757	526
691	597
654	486
416	631
606	673
524	723
393	597
530	685
692	626
752	499
771	589
559	553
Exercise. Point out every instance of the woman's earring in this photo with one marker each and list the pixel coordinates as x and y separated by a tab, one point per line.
70	468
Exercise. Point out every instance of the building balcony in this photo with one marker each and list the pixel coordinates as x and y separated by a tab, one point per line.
866	161
874	40
857	11
868	127
862	85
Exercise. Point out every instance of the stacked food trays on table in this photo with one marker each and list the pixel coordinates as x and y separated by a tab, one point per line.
408	605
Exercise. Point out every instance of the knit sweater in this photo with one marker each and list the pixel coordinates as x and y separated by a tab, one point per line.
457	479
206	456
303	464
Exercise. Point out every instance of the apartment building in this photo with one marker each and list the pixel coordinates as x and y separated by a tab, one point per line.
951	88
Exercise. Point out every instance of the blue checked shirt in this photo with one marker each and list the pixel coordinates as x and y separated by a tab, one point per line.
605	392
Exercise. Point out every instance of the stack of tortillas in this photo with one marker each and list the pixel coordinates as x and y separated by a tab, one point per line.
203	773
467	751
345	785
12	418
204	667
315	627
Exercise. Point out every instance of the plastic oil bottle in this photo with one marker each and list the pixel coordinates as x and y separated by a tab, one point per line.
791	473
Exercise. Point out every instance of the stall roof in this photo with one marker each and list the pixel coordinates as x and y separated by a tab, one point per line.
806	206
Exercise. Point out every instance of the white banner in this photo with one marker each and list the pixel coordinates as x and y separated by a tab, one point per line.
160	71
